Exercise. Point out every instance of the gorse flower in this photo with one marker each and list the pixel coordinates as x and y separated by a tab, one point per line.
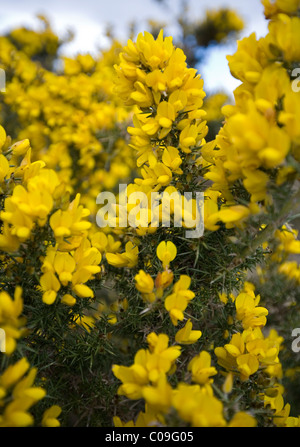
149	365
74	268
201	369
187	335
258	136
153	75
250	349
50	417
248	312
166	252
17	389
178	300
250	151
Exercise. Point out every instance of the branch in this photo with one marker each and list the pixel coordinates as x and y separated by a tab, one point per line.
263	235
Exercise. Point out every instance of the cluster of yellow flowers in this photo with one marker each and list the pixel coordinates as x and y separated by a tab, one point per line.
154	291
194	403
213	105
259	142
70	127
259	133
223	21
284	248
272	8
33	43
246	353
170	124
70	116
17	393
287	245
36	204
36	199
67	143
250	351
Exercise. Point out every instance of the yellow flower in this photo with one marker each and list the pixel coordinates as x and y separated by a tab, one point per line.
20	223
160	174
8	242
242	419
68	299
74	268
2	136
172	159
142	95
292	422
4	167
50	286
197	407
154	53
144	419
64	265
201	369
233	214
288	116
177	302
148	367
70	222
228	383
156	79
288	240
247	364
186	335
249	350
158	397
86	321
127	259
166	252
21	147
118	423
256	184
50	417
162	356
165	117
21	392
266	349
290	269
134	378
248	312
189	137
246	63
272	7
162	281
227	355
275	402
284	36
145	285
14	373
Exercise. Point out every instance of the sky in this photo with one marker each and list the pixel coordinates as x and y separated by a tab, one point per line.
88	19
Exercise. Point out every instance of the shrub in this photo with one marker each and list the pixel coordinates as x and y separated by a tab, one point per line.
188	325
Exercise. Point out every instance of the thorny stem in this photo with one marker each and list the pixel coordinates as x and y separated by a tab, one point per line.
263	235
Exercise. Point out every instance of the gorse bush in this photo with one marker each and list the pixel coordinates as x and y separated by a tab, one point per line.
149	325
